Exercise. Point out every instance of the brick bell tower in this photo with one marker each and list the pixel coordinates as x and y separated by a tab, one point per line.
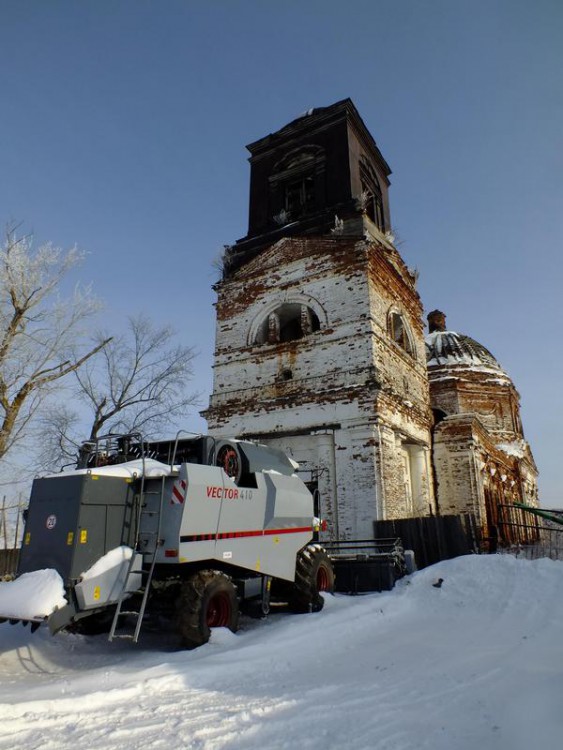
319	339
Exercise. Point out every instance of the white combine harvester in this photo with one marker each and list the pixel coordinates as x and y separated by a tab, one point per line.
187	528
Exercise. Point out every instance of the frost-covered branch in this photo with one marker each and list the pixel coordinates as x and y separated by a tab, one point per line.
38	330
139	383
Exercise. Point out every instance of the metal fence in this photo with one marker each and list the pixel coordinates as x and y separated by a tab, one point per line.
522	533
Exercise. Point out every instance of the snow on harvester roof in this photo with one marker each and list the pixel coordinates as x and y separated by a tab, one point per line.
129	469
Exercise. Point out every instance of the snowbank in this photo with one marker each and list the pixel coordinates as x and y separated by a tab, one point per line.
474	663
32	595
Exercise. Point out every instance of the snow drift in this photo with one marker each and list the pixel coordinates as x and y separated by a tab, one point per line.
472	665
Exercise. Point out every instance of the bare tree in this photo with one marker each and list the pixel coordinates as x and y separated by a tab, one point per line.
138	383
38	330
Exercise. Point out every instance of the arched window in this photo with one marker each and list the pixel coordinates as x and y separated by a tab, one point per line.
287	322
297	185
371	194
399	332
299	196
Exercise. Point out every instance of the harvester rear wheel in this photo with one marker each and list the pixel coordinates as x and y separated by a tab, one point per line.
207	600
313	574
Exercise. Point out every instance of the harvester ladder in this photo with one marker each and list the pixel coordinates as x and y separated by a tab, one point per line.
147	574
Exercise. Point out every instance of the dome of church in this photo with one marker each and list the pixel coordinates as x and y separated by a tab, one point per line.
455	350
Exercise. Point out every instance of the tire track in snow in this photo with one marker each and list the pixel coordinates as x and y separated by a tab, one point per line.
152	717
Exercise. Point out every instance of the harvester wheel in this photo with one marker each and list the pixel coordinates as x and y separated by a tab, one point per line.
207	600
313	574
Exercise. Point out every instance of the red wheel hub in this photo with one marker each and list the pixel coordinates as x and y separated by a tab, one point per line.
219	611
323	579
228	459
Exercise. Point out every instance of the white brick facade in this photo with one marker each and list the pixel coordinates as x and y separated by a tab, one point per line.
349	403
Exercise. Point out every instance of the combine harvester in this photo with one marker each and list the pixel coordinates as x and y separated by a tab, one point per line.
188	529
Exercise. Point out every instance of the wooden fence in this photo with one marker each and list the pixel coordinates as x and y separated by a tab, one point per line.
433	538
11	527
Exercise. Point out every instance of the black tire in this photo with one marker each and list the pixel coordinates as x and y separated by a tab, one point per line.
207	600
314	574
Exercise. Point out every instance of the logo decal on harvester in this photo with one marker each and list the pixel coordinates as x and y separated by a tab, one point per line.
223	493
179	492
51	522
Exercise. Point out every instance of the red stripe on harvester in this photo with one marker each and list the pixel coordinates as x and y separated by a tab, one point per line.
241	534
293	530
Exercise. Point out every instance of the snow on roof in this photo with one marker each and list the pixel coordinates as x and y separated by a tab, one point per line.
516	448
129	470
451	349
467	365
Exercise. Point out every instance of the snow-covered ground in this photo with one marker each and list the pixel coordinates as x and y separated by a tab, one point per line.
475	664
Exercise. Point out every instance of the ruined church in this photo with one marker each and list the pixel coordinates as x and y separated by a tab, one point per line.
321	348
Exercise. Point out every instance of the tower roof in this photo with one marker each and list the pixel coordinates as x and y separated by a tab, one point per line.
321	117
322	168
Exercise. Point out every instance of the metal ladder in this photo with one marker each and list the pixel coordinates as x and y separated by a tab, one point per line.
138	614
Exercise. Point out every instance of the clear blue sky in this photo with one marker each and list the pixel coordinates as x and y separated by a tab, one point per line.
123	126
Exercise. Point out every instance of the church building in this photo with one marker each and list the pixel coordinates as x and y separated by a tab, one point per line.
320	345
480	455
